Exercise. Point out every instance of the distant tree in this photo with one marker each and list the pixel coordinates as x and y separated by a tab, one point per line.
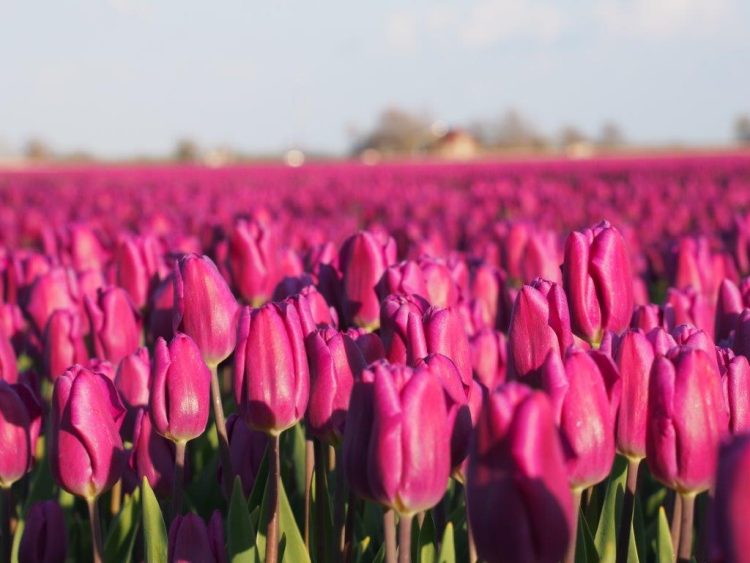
397	131
186	150
570	135
510	130
742	129
37	150
610	135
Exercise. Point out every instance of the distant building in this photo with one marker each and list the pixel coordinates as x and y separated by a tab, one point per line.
456	144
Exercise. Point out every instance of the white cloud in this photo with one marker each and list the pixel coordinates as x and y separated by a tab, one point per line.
492	21
401	32
664	19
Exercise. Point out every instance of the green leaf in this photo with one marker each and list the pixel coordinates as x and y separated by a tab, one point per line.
380	555
606	533
585	548
154	530
427	548
294	548
122	532
447	546
664	550
241	532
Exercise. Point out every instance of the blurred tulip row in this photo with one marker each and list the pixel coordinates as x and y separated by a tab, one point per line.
504	363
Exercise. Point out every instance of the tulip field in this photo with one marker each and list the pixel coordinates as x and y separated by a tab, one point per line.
541	361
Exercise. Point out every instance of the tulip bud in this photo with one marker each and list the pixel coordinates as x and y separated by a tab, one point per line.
404	278
115	324
686	419
161	310
402	330
54	290
519	504
271	376
334	360
16	453
648	317
583	412
63	342
8	361
204	308
441	289
84	249
598	281
188	540
489	357
152	456
741	344
216	537
735	378
445	334
408	455
136	264
246	449
133	379
251	259
635	355
180	394
86	454
540	324
363	259
690	307
492	299
729	523
44	539
33	403
368	343
729	305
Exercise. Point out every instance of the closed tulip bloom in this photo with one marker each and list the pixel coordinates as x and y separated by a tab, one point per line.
408	455
180	395
729	305
519	503
598	281
136	263
53	290
216	537
583	413
84	249
16	452
735	378
251	260
86	454
489	357
441	290
401	328
115	324
661	340
44	539
648	317
363	259
313	310
729	524
152	456
271	375
334	360
694	337
63	342
686	419
357	433
133	378
8	361
445	334
204	307
634	357
741	343
188	540
690	307
404	278
493	302
540	324
369	343
246	448
161	310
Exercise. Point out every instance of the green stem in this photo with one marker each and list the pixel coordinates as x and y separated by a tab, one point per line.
272	532
179	477
628	507
6	507
570	557
221	430
339	515
389	527
472	546
321	470
309	465
96	530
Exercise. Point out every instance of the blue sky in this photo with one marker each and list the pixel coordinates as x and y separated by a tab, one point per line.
122	76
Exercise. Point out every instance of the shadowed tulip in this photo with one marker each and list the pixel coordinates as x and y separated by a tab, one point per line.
402	329
489	357
136	263
133	379
161	310
86	453
246	448
597	277
115	324
271	375
404	278
152	456
369	343
519	503
188	540
729	305
16	453
730	526
216	537
44	539
735	379
686	419
204	307
540	324
180	395
8	361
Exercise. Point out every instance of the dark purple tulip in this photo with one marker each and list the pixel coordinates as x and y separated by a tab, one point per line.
44	539
363	259
188	540
598	281
246	449
8	361
402	330
686	419
583	413
180	396
519	503
729	305
152	456
729	524
204	307
115	324
540	324
86	454
489	357
251	260
357	433
271	375
16	452
368	343
161	310
63	342
735	378
741	344
335	361
136	263
216	537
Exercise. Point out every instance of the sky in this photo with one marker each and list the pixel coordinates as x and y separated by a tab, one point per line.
118	77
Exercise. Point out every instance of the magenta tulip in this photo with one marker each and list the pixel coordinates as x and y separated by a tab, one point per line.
152	456
402	329
735	378
246	447
489	357
729	524
251	260
445	334
136	262
16	451
115	324
63	342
